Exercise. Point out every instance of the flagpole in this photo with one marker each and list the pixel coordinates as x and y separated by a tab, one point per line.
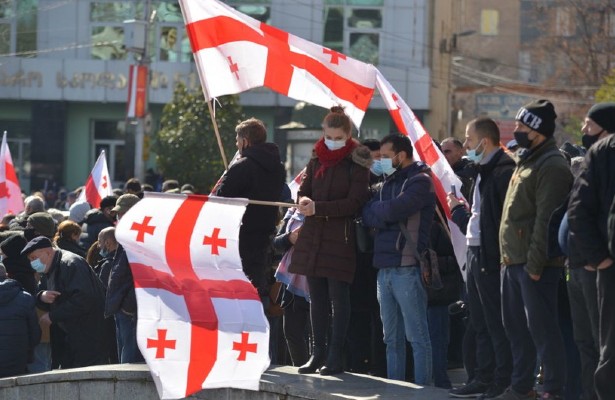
271	203
213	120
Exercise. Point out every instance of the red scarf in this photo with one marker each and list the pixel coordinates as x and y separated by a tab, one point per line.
329	158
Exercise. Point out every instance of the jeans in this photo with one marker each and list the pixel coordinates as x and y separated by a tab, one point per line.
403	308
530	313
494	358
439	326
583	298
127	349
295	321
42	359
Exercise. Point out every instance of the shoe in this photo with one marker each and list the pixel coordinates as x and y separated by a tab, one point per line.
316	361
510	394
331	370
469	391
494	391
334	364
551	396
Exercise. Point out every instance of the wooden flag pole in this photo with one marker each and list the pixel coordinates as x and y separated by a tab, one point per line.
213	120
271	203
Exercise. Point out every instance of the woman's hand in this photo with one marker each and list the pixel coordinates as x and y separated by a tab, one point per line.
306	206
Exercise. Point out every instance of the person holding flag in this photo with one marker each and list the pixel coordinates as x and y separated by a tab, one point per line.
333	190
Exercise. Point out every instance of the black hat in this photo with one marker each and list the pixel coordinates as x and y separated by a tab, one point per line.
13	245
39	242
538	115
108	201
604	115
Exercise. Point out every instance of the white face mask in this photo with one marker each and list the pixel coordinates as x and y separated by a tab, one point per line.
335	144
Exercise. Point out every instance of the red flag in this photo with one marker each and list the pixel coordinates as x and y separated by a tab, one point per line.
200	321
11	201
98	184
428	152
235	53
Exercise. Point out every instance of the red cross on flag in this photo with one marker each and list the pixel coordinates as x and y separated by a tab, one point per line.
235	53
98	184
200	321
10	191
428	152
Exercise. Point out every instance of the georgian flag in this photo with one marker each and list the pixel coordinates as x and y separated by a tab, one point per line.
11	201
200	321
235	53
98	185
443	175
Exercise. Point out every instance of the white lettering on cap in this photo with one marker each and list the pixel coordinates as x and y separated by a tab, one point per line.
529	119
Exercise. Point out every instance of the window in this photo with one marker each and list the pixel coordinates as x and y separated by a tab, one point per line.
110	136
353	30
174	44
18	22
257	9
107	27
565	24
489	21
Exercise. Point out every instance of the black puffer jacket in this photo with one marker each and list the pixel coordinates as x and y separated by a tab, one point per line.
78	311
257	175
19	329
590	202
121	295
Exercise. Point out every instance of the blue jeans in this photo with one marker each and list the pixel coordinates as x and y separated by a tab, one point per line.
403	308
42	359
439	326
126	333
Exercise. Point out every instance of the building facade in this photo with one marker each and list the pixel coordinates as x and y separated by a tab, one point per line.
64	72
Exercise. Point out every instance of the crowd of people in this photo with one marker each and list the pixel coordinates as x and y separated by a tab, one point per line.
362	268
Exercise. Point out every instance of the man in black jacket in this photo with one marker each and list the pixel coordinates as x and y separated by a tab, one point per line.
74	298
481	225
257	175
19	329
588	211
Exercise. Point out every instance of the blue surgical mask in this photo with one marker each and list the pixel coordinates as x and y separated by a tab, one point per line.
376	168
387	166
38	265
472	156
334	144
103	253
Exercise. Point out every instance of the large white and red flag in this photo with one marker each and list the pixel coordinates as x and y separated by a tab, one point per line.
235	53
200	321
11	201
98	185
428	152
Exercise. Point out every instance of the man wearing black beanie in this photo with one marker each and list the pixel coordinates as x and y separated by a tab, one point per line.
540	184
589	209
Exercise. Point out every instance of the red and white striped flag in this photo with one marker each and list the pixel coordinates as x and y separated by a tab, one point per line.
428	152
235	53
200	321
295	184
11	201
98	185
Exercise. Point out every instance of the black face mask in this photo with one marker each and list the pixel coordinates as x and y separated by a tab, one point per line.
29	233
522	139
588	141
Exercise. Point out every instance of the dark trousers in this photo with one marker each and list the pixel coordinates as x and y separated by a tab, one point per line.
254	250
605	374
328	293
296	318
583	298
494	358
439	325
529	310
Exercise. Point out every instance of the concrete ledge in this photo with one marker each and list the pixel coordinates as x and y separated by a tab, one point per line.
134	382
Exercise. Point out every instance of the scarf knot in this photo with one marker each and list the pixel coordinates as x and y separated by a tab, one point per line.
329	158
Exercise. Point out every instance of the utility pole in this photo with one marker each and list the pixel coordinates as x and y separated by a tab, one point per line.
139	44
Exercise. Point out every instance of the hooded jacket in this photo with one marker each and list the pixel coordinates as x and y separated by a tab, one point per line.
326	245
257	175
95	221
19	329
407	197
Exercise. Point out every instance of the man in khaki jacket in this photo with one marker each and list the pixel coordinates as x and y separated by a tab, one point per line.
540	184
